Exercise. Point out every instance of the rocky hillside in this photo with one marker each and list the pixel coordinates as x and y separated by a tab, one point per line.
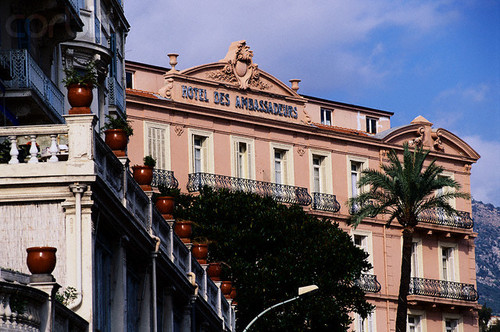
487	225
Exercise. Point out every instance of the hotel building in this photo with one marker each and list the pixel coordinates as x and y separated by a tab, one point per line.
230	124
61	186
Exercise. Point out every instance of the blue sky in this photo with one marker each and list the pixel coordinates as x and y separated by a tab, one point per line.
439	59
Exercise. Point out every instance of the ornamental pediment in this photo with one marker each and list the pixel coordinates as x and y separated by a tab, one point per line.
235	83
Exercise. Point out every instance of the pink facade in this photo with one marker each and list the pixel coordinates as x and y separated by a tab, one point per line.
232	119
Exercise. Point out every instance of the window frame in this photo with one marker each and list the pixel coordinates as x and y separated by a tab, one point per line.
288	163
325	171
250	163
458	318
324	114
160	164
207	154
368	235
416	243
369	324
371	124
363	165
422	317
455	263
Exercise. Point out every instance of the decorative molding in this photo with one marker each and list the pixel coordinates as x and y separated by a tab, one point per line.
418	142
179	130
301	150
166	90
467	168
438	144
240	68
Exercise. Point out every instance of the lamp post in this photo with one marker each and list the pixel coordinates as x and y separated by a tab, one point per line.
302	291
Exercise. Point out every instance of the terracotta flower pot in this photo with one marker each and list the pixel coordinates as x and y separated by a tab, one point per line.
214	271
200	252
143	175
80	97
225	288
117	140
233	293
183	229
165	205
41	260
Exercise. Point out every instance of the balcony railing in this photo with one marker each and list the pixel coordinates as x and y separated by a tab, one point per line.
165	178
439	217
369	283
26	74
280	192
116	95
22	309
443	289
325	202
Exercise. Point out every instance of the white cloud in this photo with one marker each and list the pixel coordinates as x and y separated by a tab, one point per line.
485	177
475	93
293	38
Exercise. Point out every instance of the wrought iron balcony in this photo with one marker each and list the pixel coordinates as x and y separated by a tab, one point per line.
165	178
369	283
26	74
280	192
443	289
116	96
325	202
439	217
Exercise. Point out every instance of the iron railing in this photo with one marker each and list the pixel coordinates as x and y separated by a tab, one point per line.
325	202
26	74
280	192
439	217
165	178
369	283
443	289
116	94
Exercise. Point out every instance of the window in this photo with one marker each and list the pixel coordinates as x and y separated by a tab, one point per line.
447	263
23	33
413	323
199	153
242	162
415	258
157	143
451	325
129	78
201	157
321	172
371	125
365	325
355	175
281	164
363	240
326	116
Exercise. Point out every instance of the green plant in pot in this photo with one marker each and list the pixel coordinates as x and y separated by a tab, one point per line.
80	83
117	130
143	174
165	201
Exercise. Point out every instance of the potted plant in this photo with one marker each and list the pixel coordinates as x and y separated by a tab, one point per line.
184	229
200	249
214	271
80	83
143	174
117	130
41	260
165	201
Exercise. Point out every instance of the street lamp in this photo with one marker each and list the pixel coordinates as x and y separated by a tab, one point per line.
302	291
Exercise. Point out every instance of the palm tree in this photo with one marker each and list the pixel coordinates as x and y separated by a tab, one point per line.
402	191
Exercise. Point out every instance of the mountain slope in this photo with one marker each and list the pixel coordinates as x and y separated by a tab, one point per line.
487	225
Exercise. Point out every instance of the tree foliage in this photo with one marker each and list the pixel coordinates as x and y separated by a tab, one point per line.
402	191
273	249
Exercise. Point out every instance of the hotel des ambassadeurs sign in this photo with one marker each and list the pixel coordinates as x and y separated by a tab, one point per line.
235	83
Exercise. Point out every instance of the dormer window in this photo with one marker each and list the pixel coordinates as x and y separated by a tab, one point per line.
326	116
371	125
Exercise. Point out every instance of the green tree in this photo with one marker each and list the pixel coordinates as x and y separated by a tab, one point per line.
484	318
402	191
273	249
